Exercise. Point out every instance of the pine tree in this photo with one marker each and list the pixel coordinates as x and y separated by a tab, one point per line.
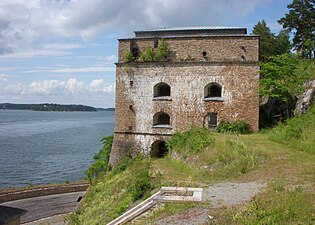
301	21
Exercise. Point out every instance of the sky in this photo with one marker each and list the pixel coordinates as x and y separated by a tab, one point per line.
63	51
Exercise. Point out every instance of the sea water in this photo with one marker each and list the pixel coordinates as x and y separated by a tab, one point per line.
49	147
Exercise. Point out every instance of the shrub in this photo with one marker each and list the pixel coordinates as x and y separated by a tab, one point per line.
148	55
163	50
101	159
238	127
128	56
142	185
193	140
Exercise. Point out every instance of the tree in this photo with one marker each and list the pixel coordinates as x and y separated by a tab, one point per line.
267	40
270	44
301	20
283	76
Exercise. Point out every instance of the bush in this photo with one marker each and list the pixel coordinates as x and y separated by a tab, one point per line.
163	51
128	56
142	185
238	127
101	159
148	55
193	140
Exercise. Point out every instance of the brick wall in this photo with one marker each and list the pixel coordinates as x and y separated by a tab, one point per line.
230	62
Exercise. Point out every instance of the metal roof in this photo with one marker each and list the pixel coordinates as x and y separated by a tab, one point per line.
191	31
193	28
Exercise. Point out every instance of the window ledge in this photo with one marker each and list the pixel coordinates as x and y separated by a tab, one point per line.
165	126
162	98
215	99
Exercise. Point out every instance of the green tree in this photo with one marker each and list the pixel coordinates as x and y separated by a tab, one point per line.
282	77
301	21
283	44
270	44
267	40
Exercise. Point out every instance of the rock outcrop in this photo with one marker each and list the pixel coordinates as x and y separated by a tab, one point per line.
306	98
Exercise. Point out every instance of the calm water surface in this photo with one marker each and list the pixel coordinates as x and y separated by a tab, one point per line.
49	147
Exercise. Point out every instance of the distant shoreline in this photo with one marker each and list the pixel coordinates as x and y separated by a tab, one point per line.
52	107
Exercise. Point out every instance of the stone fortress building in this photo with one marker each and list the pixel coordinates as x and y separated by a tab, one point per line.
211	75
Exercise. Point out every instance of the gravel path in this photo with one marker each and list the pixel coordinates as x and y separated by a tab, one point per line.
222	194
231	193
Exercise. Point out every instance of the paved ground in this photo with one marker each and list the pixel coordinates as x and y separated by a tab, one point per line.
46	206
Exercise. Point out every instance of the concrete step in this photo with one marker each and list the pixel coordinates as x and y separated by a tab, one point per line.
135	211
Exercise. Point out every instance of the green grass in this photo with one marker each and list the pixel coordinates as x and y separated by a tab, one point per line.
113	193
279	205
164	210
282	157
298	132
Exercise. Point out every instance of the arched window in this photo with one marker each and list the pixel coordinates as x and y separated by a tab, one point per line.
161	89
161	118
213	90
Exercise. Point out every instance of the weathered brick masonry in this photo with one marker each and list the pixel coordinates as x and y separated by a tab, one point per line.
200	59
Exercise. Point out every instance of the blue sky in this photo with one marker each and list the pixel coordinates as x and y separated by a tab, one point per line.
63	51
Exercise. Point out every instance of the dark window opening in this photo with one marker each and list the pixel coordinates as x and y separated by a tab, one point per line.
161	118
158	149
162	89
204	54
131	83
243	57
213	120
130	107
213	90
135	52
130	128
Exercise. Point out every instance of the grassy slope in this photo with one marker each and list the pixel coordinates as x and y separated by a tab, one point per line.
281	158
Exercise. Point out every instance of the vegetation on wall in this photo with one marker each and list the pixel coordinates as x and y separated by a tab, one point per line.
161	53
128	56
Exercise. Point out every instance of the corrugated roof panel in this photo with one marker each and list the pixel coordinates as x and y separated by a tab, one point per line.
192	28
191	31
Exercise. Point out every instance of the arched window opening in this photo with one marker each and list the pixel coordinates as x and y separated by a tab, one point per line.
158	149
161	118
162	89
213	90
212	120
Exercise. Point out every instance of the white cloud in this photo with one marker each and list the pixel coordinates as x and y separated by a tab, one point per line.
30	24
99	86
33	53
73	70
68	91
